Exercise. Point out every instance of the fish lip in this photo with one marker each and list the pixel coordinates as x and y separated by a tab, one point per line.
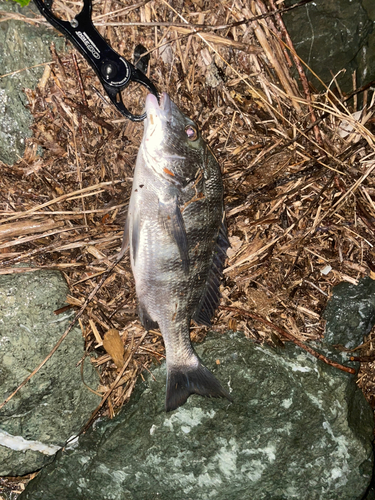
151	102
166	103
159	117
163	106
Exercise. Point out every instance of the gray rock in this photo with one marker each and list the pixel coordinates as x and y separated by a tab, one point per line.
21	46
331	35
298	428
55	404
350	313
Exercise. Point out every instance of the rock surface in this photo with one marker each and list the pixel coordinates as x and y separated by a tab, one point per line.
55	404
333	35
298	428
350	313
22	46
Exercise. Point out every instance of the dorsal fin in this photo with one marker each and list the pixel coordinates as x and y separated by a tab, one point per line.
125	240
211	296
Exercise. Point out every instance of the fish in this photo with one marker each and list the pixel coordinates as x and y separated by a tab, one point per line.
177	236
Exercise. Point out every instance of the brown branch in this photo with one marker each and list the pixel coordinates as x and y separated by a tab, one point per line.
366	218
299	133
273	28
326	114
274	58
290	337
79	78
57	59
84	110
363	359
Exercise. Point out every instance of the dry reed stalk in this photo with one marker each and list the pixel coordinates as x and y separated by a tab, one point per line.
15	229
62	198
261	32
301	73
219	40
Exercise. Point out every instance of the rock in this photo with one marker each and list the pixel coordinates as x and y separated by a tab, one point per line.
350	313
333	35
298	428
22	45
55	404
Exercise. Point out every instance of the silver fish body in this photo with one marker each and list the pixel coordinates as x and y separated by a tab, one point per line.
177	237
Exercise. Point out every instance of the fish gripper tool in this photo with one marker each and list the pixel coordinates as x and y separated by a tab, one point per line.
113	70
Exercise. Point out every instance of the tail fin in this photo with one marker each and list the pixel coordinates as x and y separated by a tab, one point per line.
186	380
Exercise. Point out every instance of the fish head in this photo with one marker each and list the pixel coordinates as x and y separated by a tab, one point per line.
172	143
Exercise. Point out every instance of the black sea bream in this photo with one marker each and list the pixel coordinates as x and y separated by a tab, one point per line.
178	242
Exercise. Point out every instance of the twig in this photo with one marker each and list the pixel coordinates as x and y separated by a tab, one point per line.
363	359
261	34
290	337
326	114
65	334
114	384
204	26
84	110
272	27
361	210
25	69
63	197
41	20
58	60
254	91
301	73
79	78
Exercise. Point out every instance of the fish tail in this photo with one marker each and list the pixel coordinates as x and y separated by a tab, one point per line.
186	380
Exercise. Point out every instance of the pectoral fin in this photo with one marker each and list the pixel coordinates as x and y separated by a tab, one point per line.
131	235
135	235
125	241
171	218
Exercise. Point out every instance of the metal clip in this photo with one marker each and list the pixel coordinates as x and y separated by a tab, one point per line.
113	70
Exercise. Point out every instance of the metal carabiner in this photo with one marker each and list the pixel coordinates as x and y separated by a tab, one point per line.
113	70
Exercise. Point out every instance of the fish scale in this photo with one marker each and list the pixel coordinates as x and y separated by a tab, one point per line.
177	237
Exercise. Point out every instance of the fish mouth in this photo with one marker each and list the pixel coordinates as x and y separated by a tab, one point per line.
155	109
158	114
158	120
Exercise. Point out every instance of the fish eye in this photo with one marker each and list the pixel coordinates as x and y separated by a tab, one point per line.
191	132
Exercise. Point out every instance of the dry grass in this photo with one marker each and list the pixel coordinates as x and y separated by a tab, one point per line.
299	199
